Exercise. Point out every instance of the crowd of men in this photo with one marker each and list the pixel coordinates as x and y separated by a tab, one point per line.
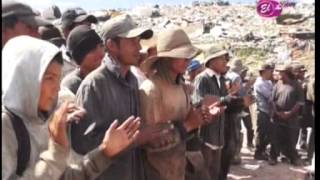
82	104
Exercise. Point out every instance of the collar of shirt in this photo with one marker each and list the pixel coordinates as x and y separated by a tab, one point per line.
212	73
113	65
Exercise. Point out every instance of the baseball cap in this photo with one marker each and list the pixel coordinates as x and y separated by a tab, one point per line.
81	41
76	15
123	26
51	13
194	65
23	13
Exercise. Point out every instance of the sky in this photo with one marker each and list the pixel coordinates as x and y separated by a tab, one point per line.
111	4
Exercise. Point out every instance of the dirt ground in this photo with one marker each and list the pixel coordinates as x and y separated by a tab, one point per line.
251	169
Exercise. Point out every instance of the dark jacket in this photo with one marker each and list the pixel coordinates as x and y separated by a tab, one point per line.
107	96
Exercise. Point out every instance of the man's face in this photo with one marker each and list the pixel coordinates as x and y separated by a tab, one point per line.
269	74
219	64
283	75
94	58
50	86
179	66
275	75
128	51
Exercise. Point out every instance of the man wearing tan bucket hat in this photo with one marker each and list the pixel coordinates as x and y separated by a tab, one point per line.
164	99
111	92
218	149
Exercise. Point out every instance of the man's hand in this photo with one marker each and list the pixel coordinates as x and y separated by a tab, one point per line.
282	115
66	113
286	115
118	138
209	100
150	132
215	110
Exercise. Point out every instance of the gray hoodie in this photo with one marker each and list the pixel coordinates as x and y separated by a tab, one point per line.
26	60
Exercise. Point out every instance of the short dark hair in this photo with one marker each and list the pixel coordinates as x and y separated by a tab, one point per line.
116	40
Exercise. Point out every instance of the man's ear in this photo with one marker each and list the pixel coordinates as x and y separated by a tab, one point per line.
111	46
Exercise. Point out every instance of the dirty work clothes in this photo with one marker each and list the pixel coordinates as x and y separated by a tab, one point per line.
283	140
210	83
107	95
285	97
286	131
163	101
72	81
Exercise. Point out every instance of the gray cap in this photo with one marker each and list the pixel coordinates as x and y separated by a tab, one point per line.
23	13
51	13
76	15
123	26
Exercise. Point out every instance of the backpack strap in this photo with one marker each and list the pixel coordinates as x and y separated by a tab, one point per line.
23	139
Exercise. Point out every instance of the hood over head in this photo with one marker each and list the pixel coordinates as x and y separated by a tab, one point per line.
25	60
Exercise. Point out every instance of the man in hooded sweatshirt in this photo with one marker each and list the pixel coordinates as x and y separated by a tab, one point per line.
29	98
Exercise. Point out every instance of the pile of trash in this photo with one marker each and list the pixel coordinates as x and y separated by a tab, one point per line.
249	35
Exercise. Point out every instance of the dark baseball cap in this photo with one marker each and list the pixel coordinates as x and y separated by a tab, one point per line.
76	15
81	41
23	13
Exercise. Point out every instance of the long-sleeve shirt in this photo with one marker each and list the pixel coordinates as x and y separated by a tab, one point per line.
162	102
107	95
206	83
263	91
285	97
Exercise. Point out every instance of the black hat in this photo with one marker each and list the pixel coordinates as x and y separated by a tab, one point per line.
48	32
76	15
81	41
23	13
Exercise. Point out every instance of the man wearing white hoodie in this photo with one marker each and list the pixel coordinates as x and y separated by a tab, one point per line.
29	98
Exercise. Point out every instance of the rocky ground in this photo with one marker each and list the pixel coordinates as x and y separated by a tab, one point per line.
261	170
